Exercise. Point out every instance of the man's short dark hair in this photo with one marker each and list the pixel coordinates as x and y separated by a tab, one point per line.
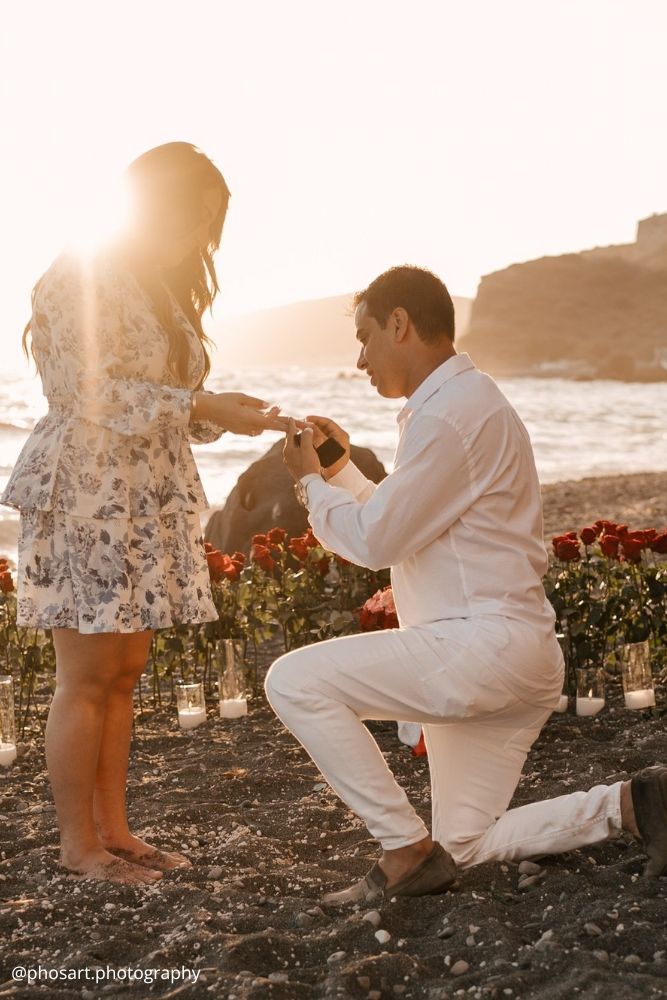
420	292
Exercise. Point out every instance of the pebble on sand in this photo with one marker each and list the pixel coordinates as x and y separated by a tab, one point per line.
373	917
459	968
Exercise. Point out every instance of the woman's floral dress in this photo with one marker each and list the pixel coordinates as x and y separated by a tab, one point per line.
109	494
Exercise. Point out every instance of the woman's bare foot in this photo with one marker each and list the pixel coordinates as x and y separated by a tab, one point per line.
138	852
101	866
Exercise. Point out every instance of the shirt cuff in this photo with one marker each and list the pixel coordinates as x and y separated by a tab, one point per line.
350	478
307	480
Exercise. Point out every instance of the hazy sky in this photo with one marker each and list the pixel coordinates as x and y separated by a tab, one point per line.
354	135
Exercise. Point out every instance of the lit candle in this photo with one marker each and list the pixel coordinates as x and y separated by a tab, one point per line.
190	718
589	705
640	699
7	754
562	704
233	708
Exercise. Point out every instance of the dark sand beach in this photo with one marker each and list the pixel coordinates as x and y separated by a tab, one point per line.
267	838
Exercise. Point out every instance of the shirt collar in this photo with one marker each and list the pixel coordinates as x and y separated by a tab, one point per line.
448	369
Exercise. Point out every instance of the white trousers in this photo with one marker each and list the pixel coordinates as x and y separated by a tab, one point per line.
482	688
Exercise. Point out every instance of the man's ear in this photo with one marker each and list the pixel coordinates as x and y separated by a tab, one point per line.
400	322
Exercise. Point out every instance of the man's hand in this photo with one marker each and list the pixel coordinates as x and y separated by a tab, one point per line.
324	428
300	459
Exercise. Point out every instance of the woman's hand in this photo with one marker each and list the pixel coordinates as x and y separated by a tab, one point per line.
238	413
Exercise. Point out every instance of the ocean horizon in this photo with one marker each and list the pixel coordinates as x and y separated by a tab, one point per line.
578	429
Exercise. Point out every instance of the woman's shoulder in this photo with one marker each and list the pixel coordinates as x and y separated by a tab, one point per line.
71	275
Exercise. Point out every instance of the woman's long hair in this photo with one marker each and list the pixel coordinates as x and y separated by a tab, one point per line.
167	183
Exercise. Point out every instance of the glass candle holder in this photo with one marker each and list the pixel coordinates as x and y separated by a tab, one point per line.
7	722
637	677
191	705
563	700
590	690
231	681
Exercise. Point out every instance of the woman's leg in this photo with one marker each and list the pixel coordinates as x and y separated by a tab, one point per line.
87	668
110	809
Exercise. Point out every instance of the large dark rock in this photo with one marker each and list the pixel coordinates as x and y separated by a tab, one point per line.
264	498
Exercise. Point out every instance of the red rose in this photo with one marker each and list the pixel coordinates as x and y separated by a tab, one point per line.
216	564
323	565
609	545
566	549
239	566
231	569
277	536
239	557
310	539
588	535
632	548
208	547
390	619
621	530
260	554
298	548
659	543
258	539
367	619
606	527
6	582
341	561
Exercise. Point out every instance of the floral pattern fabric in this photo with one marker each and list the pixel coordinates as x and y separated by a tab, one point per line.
107	485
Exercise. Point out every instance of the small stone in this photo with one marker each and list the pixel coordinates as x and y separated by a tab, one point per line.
278	977
658	956
470	941
601	955
399	989
473	928
530	868
632	960
546	941
337	956
374	995
529	882
364	982
446	932
373	917
304	920
592	930
382	936
459	968
216	873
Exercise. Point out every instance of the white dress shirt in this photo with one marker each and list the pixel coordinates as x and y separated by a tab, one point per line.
459	520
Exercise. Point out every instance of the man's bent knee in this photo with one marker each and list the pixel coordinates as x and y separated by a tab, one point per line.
285	679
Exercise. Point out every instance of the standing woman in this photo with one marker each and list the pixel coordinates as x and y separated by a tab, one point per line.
110	544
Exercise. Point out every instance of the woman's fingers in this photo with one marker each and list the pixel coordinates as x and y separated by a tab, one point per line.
258	404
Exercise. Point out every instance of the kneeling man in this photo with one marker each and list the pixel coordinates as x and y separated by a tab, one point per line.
475	659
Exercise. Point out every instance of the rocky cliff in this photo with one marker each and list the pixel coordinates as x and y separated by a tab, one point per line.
597	314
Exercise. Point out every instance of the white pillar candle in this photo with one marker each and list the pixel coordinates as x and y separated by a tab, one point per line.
233	708
562	704
589	706
640	699
190	718
7	754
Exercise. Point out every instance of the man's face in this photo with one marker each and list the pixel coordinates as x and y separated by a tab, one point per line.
378	356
